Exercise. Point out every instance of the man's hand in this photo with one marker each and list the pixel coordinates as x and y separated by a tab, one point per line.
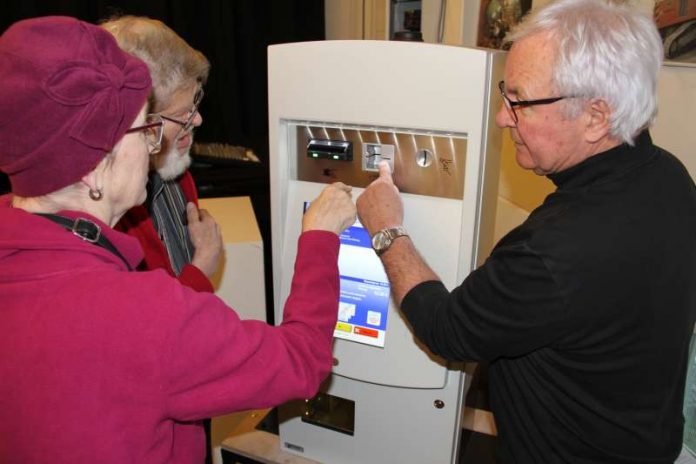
206	239
380	205
333	210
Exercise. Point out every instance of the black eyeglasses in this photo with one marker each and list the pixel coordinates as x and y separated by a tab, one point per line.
510	105
153	130
188	123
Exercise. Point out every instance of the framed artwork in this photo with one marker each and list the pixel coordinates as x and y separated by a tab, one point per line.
676	21
496	18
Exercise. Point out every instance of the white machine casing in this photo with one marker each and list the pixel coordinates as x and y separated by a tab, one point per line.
407	402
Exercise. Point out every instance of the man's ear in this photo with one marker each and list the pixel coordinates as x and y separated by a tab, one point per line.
598	119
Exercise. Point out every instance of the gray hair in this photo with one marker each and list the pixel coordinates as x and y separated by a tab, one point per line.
605	50
174	65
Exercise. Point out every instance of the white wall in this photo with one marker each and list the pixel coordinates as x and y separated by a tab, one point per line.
675	128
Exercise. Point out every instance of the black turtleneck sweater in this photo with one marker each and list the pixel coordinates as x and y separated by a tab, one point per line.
584	313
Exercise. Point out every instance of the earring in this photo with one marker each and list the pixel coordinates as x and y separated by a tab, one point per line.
96	194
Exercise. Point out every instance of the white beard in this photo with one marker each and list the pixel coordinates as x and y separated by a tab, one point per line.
171	164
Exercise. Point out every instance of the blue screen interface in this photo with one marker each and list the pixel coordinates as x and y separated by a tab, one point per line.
363	306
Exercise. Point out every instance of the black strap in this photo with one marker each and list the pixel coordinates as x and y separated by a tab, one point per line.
87	231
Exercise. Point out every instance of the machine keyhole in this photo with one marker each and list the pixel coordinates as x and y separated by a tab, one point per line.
424	157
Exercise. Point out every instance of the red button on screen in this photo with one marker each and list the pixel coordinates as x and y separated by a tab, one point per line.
366	332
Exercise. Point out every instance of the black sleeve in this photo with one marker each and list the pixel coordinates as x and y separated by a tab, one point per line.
507	307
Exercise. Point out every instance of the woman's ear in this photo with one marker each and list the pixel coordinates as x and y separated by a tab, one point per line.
90	180
94	180
598	124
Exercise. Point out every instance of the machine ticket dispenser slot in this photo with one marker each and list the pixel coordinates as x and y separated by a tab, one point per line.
375	153
388	398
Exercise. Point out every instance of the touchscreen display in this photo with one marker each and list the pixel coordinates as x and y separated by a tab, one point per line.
363	307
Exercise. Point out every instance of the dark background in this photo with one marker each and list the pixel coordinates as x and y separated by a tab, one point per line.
234	36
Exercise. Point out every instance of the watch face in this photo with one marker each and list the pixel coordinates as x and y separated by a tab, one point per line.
380	240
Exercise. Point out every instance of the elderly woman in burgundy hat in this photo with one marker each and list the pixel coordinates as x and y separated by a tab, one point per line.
98	363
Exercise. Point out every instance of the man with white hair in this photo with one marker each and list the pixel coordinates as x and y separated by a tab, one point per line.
585	311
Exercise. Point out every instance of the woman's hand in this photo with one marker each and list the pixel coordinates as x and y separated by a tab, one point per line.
333	210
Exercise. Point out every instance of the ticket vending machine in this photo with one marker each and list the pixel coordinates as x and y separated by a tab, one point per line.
336	109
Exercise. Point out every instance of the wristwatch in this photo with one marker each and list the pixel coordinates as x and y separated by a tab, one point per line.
383	239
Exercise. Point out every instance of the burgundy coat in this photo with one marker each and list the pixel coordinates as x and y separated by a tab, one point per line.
98	364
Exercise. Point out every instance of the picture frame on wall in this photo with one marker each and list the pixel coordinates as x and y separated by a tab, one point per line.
497	18
676	21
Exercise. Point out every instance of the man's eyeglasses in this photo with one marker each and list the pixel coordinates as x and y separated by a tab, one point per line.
153	130
188	123
510	105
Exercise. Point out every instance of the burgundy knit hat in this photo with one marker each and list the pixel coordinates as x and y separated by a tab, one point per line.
68	96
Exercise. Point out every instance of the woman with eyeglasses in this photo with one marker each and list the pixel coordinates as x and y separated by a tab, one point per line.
99	363
175	235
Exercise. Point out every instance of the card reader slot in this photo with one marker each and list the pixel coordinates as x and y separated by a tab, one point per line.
339	150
